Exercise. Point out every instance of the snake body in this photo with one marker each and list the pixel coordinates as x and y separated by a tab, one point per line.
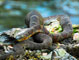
30	32
35	19
64	22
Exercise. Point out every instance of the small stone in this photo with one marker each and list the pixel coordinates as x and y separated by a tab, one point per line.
10	46
76	36
44	54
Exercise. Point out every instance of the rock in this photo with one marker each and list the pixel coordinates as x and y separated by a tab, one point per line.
61	54
76	36
47	57
14	31
44	54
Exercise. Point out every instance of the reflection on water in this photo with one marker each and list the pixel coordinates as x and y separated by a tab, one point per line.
13	13
75	19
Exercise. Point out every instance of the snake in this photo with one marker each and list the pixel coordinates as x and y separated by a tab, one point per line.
35	18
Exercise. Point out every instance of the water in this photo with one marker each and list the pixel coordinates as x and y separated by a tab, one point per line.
14	13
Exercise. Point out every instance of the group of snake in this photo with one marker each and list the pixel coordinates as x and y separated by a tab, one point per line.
42	39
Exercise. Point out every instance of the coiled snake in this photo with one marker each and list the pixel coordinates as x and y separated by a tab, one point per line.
34	18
